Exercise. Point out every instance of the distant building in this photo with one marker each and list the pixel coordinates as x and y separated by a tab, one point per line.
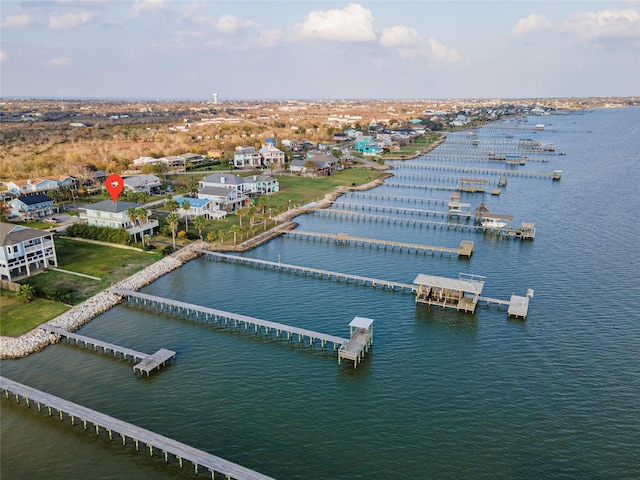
149	184
224	199
362	142
245	156
30	207
25	251
270	155
39	185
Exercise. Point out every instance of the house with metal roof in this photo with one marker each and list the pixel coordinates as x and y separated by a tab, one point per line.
205	207
25	251
114	215
150	184
270	155
245	156
39	185
30	207
224	199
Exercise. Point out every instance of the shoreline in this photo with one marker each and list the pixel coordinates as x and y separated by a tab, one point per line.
71	320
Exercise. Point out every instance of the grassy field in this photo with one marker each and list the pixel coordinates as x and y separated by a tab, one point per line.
18	317
110	264
407	151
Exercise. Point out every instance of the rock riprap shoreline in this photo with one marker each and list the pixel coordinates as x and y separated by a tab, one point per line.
73	319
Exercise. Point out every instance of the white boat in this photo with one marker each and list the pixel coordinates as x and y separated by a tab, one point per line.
493	223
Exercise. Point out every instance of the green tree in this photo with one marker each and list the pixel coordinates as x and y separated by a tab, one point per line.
172	220
141	216
199	223
235	229
251	212
185	205
171	206
211	237
261	204
192	186
241	212
132	214
26	292
160	169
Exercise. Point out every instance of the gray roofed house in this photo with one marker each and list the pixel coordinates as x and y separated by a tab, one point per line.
227	199
114	215
32	206
24	251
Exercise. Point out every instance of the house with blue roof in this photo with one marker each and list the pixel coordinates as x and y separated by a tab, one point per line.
203	206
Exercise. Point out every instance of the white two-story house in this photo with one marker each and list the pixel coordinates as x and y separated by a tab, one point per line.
24	251
245	156
114	215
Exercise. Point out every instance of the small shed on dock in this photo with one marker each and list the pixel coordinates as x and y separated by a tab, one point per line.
459	294
457	208
360	340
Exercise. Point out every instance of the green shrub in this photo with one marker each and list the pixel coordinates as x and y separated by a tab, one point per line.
103	234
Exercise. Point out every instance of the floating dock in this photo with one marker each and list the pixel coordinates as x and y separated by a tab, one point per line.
147	363
180	451
465	249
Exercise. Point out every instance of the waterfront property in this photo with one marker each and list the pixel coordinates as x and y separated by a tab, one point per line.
204	206
114	215
25	251
138	435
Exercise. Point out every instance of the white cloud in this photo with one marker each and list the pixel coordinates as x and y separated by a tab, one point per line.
142	6
268	39
228	24
16	21
532	23
606	24
353	23
410	45
590	27
69	20
3	56
57	62
399	36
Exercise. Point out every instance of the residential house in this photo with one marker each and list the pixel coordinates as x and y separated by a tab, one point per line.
245	156
362	142
39	185
193	159
149	184
225	180
340	137
205	207
261	185
224	199
114	215
24	251
29	207
271	154
330	164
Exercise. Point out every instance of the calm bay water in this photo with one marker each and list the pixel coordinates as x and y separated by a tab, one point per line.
441	395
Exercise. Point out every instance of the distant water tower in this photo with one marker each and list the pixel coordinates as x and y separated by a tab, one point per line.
215	98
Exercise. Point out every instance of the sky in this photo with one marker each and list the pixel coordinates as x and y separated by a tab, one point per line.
258	50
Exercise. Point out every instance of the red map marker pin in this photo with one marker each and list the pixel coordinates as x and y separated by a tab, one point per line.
114	186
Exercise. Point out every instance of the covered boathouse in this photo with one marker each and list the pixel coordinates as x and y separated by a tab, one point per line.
459	294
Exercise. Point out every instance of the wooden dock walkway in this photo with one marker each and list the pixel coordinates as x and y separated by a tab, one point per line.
406	210
220	317
313	272
483	170
505	232
465	249
147	363
111	425
395	198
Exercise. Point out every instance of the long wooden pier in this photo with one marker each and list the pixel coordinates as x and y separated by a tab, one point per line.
325	274
396	198
312	272
220	317
147	363
507	232
137	435
391	209
487	171
465	249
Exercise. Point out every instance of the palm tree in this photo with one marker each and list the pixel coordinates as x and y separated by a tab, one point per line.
211	237
172	220
221	235
171	206
132	213
235	229
199	222
251	212
26	292
141	215
240	213
261	203
185	205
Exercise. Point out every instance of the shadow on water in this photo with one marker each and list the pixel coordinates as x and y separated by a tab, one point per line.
450	319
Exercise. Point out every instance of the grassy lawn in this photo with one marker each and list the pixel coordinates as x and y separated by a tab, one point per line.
17	317
110	264
412	148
